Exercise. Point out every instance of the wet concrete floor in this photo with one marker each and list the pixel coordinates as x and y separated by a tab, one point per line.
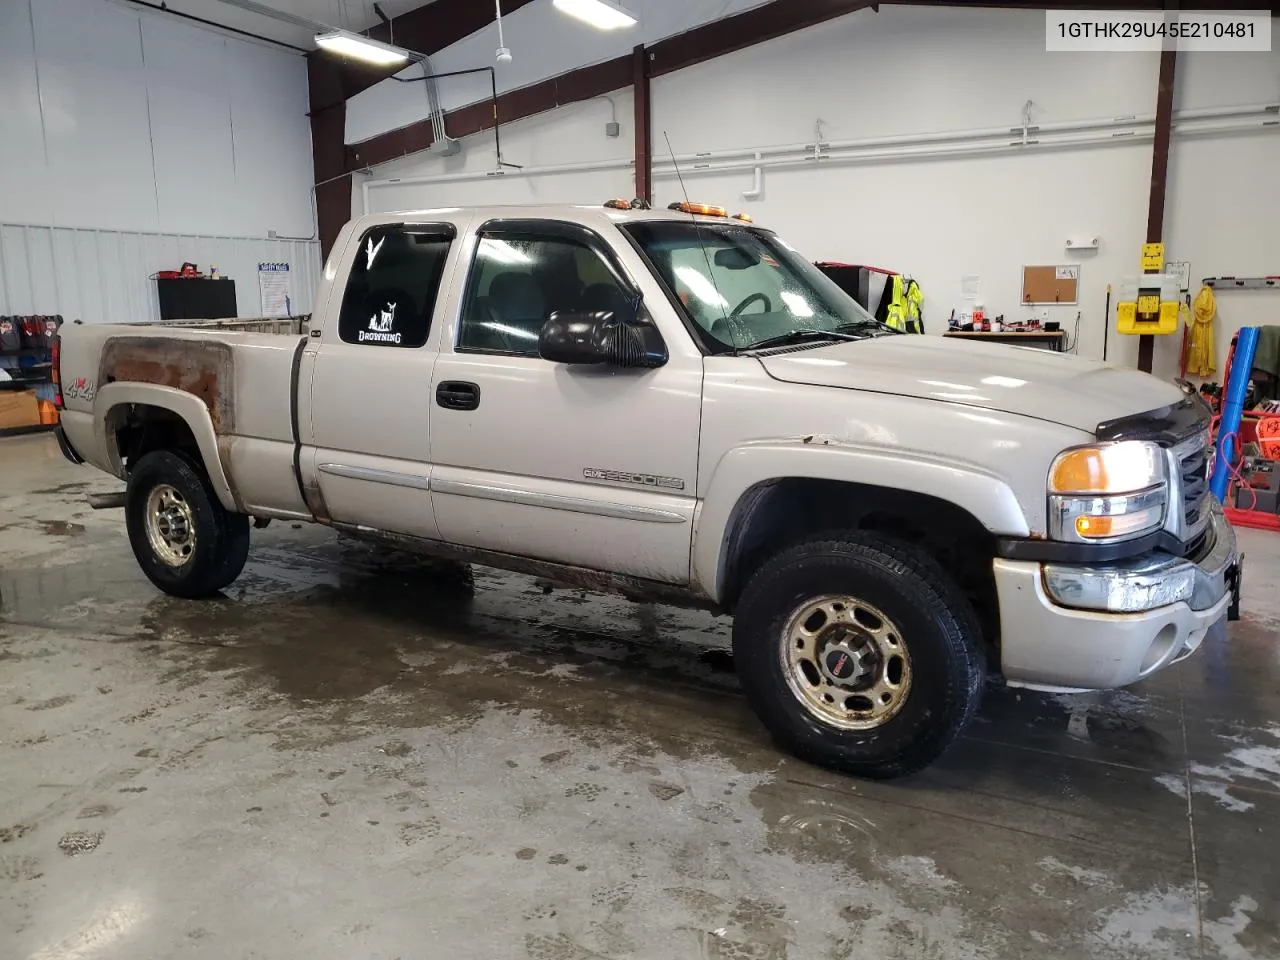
360	755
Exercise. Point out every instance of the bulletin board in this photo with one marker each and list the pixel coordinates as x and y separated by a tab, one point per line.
1051	284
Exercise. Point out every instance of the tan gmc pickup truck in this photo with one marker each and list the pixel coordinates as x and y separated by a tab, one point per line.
675	405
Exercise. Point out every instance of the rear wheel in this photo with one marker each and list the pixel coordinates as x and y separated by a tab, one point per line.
186	542
859	653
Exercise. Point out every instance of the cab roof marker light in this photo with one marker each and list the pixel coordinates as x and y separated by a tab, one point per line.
701	209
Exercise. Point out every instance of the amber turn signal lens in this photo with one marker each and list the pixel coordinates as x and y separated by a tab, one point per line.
1079	471
1094	526
1103	518
1111	468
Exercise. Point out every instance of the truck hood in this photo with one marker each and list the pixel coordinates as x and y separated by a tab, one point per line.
1056	387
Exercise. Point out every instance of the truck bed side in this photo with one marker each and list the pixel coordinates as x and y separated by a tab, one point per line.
224	394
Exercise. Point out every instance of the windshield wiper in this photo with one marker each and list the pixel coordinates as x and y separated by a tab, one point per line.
800	336
864	324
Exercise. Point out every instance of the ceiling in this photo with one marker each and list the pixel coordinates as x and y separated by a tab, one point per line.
289	22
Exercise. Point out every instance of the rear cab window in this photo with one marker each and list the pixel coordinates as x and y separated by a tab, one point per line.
394	283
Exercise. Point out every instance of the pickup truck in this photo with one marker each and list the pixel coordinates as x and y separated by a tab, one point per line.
676	406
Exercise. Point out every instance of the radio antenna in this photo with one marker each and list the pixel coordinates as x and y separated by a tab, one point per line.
702	243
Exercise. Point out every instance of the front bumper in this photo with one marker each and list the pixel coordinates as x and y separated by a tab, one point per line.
1049	646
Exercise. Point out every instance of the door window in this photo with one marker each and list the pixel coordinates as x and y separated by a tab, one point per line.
519	280
392	290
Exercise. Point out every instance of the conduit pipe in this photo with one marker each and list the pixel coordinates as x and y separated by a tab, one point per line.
1062	126
959	149
872	149
590	166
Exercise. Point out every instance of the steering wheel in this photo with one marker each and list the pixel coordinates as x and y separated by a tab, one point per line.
763	298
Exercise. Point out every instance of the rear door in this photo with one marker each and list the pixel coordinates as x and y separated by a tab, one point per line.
593	466
370	383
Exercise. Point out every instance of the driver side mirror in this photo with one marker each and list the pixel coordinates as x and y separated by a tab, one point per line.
601	338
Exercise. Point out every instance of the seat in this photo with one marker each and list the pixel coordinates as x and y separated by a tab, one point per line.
516	312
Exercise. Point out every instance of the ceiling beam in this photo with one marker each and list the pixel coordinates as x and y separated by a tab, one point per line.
744	30
585	83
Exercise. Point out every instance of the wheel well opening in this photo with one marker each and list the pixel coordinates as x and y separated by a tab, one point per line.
776	515
139	429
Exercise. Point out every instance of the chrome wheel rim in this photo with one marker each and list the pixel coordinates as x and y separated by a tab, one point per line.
846	662
171	528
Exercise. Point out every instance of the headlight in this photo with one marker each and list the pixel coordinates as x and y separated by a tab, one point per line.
1109	492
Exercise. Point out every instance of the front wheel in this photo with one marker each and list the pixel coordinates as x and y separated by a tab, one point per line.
859	653
186	542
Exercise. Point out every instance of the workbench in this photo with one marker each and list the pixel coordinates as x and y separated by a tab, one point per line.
1055	340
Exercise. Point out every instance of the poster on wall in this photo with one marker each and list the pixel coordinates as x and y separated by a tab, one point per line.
274	286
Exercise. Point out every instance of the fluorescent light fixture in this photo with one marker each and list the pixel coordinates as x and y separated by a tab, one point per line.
601	14
347	44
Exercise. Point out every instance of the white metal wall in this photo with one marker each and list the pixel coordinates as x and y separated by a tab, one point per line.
103	276
117	118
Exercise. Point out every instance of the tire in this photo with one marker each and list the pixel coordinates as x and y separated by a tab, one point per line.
191	566
866	589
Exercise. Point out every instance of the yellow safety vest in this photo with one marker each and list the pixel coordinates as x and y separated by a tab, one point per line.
905	306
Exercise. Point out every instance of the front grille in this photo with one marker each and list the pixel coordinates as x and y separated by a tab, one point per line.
1193	471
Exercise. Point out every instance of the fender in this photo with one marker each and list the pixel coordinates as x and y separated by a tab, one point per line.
188	406
986	496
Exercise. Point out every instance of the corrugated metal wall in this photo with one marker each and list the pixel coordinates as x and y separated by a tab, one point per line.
102	276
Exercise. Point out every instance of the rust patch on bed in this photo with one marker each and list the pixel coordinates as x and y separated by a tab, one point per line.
202	368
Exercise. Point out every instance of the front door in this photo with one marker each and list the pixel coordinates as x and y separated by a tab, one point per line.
370	380
592	466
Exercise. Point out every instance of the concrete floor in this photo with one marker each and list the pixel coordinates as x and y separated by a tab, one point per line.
356	756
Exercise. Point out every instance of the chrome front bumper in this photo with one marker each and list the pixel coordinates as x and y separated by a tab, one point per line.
1049	645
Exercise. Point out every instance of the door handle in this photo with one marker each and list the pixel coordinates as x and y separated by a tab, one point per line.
458	395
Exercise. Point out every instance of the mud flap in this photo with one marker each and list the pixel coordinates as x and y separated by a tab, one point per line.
1234	577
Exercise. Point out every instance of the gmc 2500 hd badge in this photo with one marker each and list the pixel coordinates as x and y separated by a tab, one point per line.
637	479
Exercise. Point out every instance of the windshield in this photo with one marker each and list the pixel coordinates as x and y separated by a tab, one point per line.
743	286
